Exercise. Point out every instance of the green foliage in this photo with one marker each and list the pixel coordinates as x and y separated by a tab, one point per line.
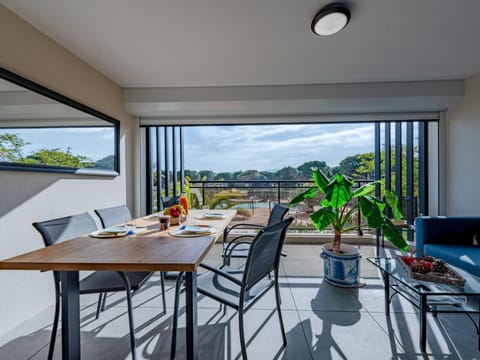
287	173
192	174
306	168
340	202
244	212
348	166
11	147
57	157
248	175
207	174
224	176
107	162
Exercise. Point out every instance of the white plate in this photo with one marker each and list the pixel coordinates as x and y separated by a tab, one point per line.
210	216
190	231
106	234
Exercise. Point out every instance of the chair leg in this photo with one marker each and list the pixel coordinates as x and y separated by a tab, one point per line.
53	336
104	302
130	314
178	284
162	284
242	333
278	300
99	305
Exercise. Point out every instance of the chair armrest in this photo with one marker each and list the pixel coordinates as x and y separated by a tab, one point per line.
242	226
222	273
240	237
232	245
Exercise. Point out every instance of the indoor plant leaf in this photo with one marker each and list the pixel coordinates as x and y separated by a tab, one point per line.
392	233
309	193
372	209
338	191
392	201
366	189
320	179
323	217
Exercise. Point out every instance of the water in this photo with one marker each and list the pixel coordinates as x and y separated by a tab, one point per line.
257	205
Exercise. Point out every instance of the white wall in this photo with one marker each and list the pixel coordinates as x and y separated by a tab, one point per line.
463	153
26	197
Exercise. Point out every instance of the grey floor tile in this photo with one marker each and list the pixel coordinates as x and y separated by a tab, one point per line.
450	336
346	335
263	337
316	294
322	322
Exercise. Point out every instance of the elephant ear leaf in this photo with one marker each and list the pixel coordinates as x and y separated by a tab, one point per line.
394	235
323	217
309	193
320	179
372	209
392	201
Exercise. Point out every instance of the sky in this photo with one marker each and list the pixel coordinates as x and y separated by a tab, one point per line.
227	148
272	147
93	142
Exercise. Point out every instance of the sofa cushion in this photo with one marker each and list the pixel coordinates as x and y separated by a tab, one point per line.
463	256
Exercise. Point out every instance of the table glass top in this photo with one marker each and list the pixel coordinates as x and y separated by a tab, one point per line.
393	267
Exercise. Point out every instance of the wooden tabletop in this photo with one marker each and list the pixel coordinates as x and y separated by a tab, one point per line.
152	250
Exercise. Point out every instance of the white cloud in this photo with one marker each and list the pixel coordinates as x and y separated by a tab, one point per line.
223	148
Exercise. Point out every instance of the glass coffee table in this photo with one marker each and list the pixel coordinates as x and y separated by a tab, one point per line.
428	296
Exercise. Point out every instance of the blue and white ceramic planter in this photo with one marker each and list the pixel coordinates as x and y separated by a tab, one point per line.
342	269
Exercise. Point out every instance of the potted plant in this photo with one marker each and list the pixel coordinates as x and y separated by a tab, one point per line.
340	201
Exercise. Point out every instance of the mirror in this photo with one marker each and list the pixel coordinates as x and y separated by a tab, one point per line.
41	130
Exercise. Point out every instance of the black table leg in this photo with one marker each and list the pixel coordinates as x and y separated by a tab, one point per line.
423	323
70	315
191	312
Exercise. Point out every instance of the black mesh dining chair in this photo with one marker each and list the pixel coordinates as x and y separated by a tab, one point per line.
241	288
237	245
112	216
69	227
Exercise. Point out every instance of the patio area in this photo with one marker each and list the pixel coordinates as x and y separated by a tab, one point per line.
322	322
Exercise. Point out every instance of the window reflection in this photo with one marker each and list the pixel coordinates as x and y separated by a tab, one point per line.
73	147
44	131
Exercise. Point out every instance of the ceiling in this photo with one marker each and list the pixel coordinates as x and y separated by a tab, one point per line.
185	43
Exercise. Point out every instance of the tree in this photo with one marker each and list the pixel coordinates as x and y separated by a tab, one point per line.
249	175
267	175
108	162
306	168
11	147
348	166
366	169
192	174
57	157
207	174
287	173
224	176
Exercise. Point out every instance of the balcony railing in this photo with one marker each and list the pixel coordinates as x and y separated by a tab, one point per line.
257	194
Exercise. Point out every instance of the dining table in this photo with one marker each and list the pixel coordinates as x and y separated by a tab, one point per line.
147	250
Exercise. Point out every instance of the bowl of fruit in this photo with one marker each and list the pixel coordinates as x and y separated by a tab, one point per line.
177	214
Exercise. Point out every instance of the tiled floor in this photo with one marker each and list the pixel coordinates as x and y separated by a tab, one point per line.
322	322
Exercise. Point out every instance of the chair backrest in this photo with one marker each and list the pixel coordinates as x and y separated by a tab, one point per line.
65	228
277	214
264	254
113	215
168	201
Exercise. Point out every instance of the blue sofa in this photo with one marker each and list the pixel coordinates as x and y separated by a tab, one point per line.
450	238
